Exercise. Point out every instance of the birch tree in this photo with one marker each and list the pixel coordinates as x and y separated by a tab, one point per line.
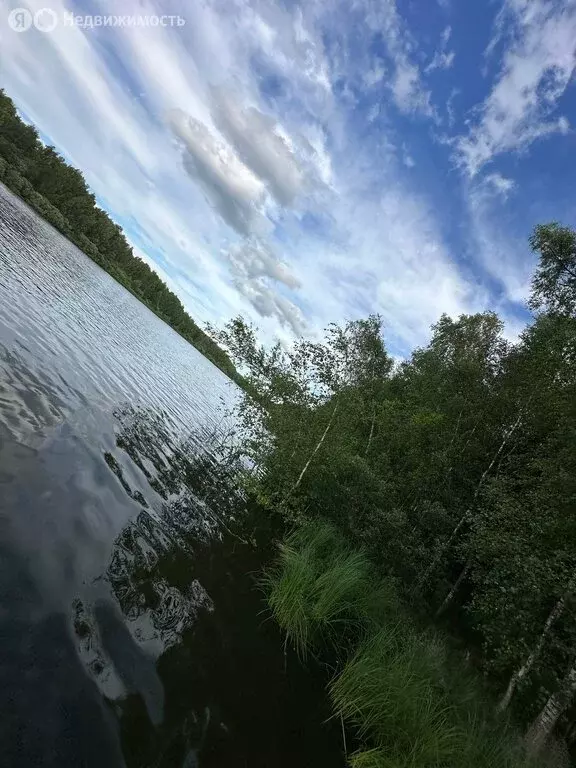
524	670
543	726
310	408
554	284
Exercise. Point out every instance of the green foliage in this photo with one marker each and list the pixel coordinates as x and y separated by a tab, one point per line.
454	471
59	193
300	397
554	286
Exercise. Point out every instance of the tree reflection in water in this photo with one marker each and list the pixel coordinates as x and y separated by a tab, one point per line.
185	655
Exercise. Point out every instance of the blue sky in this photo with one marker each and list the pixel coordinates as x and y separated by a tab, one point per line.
304	163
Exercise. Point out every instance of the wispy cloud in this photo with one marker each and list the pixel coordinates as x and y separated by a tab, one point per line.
537	66
443	58
499	183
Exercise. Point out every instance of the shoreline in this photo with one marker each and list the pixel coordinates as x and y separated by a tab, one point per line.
116	275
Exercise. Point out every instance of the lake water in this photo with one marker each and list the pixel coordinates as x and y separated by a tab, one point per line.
131	629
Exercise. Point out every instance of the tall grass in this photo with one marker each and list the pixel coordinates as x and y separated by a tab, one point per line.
398	692
389	691
410	702
317	587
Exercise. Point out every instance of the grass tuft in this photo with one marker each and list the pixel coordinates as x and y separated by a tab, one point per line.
316	585
388	690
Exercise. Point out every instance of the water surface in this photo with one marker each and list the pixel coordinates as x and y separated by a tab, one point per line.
131	632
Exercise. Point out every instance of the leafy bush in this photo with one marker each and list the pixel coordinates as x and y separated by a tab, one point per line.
13	180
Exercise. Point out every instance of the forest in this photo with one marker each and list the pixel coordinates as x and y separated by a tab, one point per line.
59	193
429	560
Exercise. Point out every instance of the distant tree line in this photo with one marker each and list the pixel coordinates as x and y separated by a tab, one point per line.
41	177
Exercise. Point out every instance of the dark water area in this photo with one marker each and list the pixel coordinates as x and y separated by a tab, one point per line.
132	631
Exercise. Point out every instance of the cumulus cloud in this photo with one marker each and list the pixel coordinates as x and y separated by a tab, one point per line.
237	162
253	259
537	67
269	303
230	186
255	269
255	138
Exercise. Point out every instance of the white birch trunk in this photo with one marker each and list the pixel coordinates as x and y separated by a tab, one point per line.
455	430
371	433
544	724
526	668
315	451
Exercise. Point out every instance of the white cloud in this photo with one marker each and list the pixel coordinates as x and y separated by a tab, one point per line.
318	157
259	145
268	303
407	158
387	256
373	113
406	87
253	259
416	279
231	187
504	255
500	183
443	59
255	269
235	176
374	75
537	67
450	110
405	82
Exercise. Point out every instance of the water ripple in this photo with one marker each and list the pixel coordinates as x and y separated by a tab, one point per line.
69	333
